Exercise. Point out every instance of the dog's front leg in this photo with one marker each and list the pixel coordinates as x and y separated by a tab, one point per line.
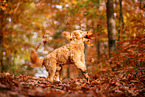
82	67
85	74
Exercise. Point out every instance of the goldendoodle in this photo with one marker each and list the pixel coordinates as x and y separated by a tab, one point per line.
69	53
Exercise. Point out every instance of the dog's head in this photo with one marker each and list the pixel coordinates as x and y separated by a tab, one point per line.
77	34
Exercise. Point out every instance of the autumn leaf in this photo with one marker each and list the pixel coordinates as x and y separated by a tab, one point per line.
92	60
89	43
89	32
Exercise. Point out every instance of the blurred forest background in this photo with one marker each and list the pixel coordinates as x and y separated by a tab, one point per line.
118	27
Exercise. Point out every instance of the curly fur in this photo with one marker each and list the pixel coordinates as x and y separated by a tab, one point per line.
69	53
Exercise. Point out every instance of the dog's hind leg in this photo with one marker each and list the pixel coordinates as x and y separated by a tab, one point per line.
50	66
57	74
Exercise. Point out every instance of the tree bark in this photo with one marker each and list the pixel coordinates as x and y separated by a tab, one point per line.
1	40
141	4
97	39
111	26
121	20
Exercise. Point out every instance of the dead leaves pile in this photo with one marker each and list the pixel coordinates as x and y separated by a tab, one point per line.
101	85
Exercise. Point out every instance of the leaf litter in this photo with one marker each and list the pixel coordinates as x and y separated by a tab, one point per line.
100	85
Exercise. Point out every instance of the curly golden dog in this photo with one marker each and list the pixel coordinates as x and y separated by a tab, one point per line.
69	53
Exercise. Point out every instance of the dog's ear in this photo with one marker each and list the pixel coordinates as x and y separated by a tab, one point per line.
77	34
67	35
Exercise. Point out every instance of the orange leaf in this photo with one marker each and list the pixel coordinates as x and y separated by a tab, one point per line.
89	32
89	43
92	60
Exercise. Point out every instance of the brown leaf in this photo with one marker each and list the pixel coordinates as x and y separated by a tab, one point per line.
3	86
96	82
118	91
118	84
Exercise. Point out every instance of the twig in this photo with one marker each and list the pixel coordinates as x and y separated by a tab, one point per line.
17	7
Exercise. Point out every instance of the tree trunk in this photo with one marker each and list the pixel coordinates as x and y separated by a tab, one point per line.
111	26
141	4
121	21
121	16
97	40
1	40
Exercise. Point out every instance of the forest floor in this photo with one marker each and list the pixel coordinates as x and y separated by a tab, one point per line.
100	86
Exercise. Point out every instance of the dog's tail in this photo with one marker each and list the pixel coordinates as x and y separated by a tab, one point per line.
36	62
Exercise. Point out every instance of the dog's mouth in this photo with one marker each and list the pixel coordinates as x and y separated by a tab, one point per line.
88	36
